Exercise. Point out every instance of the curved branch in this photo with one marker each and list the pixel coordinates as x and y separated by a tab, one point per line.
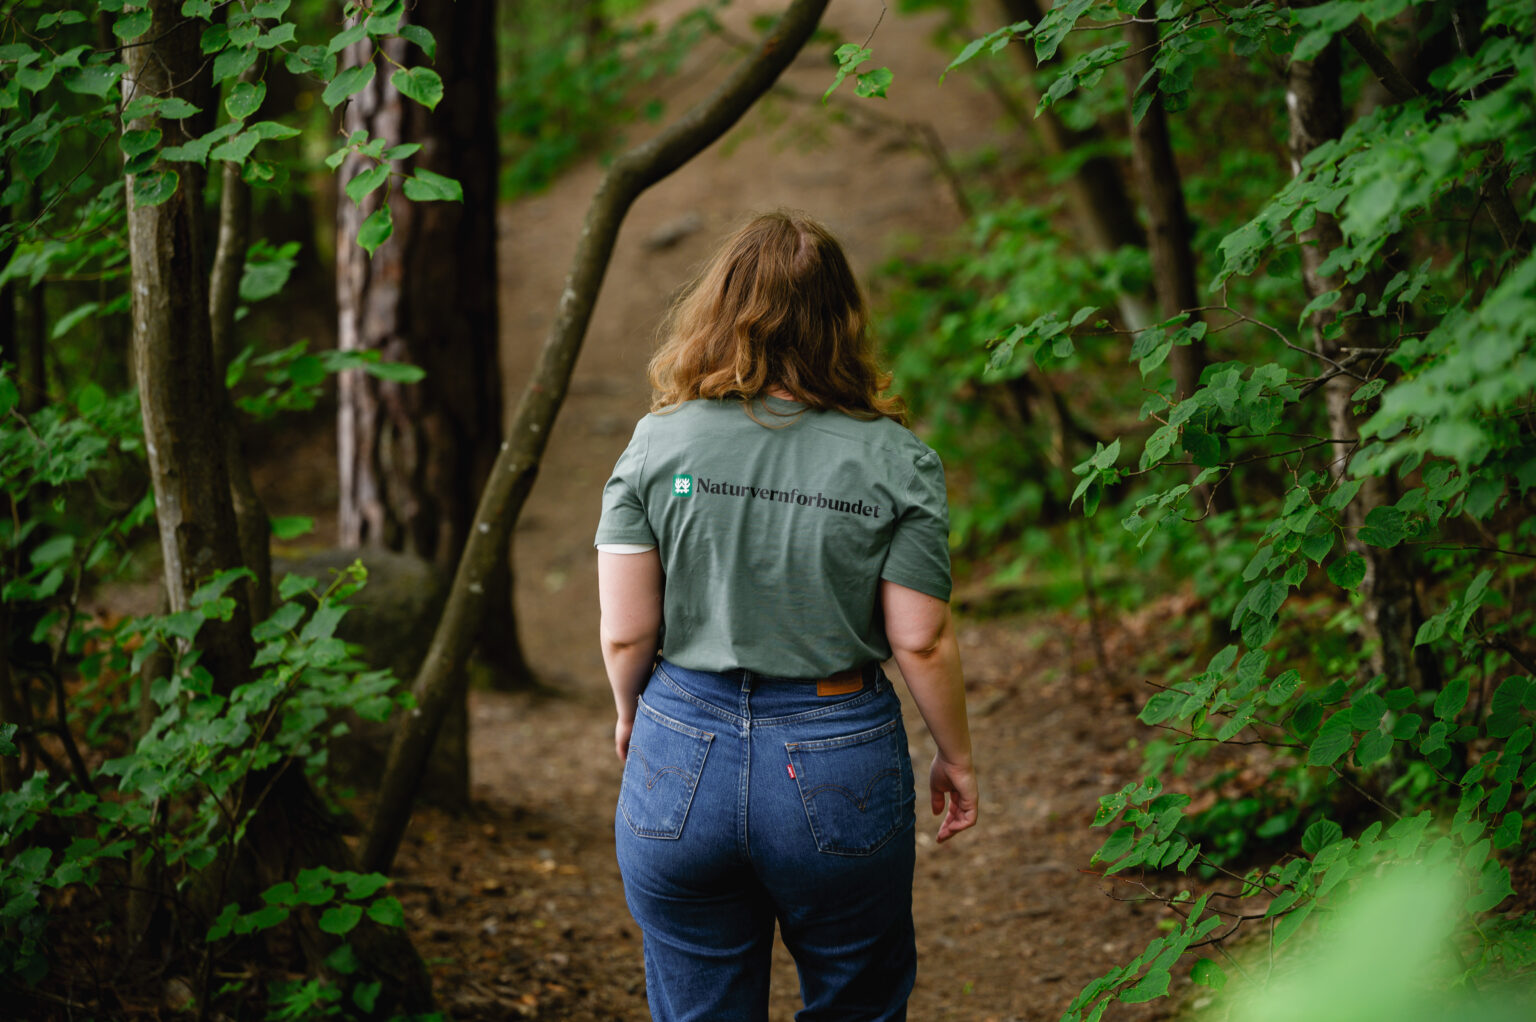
439	682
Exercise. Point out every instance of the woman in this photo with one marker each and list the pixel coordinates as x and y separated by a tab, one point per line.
775	533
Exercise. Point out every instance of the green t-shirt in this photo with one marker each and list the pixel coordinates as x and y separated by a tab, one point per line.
774	538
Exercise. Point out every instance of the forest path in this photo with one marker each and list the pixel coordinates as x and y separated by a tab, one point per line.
519	906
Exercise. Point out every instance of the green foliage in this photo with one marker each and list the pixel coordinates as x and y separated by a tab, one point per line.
571	81
181	795
1390	733
172	803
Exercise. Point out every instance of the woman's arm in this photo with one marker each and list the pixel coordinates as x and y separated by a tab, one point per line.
629	593
922	636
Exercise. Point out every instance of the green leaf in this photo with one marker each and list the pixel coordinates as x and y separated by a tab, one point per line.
1451	699
427	186
279	36
1320	835
1348	571
341	919
236	149
387	912
375	230
395	372
245	99
347	84
271	130
346	37
155	187
872	84
1507	834
1332	741
422	84
231	63
131	26
1116	845
1374	746
132	143
365	885
365	182
1208	973
1149	988
67	323
287	527
421	37
849	56
1384	527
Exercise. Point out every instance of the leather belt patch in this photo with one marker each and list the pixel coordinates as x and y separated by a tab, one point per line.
840	684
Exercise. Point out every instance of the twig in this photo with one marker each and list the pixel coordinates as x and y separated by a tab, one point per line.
1378	803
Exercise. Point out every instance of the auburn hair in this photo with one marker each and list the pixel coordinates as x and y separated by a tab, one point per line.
777	307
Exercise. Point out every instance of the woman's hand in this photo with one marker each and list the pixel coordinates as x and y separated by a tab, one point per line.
958	783
621	732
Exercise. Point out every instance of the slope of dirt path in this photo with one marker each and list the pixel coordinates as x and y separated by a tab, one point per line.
519	906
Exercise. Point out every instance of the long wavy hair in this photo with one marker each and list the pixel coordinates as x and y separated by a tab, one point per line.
776	308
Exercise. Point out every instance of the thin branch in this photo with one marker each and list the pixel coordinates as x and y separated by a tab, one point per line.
1378	803
439	680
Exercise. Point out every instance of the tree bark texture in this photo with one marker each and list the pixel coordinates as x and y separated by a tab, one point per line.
413	458
1390	606
184	408
1096	193
251	521
518	461
1169	235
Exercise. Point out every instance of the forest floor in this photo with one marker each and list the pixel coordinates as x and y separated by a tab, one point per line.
517	905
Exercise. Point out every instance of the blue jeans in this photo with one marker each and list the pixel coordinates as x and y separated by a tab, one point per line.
748	800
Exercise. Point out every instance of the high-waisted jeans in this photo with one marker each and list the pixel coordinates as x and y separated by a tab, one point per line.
748	799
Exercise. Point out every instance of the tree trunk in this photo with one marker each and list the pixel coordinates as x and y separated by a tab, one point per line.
1169	235
253	526
438	682
1096	192
414	458
1316	108
183	406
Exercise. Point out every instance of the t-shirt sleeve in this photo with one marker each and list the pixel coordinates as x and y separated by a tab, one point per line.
919	554
623	519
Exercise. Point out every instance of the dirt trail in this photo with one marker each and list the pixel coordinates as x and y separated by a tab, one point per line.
519	906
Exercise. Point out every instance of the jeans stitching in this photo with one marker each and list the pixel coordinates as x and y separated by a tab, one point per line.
700	742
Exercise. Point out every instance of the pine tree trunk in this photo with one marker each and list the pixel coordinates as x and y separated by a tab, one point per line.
414	458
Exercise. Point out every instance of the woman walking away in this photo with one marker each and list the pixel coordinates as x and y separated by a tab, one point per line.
774	533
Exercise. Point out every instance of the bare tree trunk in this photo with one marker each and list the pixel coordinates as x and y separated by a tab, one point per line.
414	458
1169	236
251	521
183	405
1316	108
1096	193
437	686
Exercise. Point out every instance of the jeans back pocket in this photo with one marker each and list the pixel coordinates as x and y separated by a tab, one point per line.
857	789
666	757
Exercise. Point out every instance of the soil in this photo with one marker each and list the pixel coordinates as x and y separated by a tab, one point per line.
517	905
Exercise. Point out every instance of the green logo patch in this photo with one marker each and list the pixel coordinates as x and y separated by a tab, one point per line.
682	485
